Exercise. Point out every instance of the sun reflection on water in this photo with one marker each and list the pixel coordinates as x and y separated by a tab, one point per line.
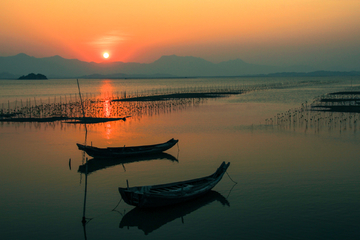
108	131
106	91
107	108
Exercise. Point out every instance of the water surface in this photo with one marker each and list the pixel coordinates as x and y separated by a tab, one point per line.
291	183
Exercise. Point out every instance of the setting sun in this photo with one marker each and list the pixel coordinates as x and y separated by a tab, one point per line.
106	55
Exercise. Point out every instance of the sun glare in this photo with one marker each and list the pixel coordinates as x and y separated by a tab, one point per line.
106	55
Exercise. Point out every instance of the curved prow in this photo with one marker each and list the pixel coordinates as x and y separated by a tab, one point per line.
222	169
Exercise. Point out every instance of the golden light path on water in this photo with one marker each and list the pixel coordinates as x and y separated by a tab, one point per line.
106	91
107	108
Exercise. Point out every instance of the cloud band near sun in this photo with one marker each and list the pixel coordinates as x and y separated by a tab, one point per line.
108	40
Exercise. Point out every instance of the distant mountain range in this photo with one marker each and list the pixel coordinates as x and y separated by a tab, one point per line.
13	67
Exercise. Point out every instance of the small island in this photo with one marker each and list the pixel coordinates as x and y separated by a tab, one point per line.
33	76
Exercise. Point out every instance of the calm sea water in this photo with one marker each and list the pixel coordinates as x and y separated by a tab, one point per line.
292	183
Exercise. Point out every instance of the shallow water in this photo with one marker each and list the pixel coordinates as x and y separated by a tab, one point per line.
292	183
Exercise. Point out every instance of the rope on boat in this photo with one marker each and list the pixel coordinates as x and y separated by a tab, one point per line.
117	204
230	178
177	157
231	190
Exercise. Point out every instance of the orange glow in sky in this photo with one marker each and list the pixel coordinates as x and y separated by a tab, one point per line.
258	31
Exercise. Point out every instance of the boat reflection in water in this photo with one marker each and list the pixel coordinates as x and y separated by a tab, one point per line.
150	219
95	164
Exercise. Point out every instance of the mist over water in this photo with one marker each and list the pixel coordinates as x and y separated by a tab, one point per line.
292	181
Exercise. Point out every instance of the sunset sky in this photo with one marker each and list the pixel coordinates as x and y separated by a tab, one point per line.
277	32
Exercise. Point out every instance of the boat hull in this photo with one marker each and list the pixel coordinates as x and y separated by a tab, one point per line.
172	193
118	152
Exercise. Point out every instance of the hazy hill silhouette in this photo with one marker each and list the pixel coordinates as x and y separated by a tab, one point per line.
167	66
7	75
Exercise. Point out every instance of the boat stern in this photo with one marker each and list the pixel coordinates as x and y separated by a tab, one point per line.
129	196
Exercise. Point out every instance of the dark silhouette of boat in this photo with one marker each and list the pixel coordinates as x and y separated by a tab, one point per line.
116	152
95	164
150	219
172	193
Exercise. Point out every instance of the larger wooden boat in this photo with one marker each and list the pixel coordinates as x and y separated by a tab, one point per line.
116	152
171	193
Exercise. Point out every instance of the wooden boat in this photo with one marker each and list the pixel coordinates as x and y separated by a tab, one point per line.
115	152
171	193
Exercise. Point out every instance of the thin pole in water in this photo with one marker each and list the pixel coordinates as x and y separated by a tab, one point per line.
86	170
82	106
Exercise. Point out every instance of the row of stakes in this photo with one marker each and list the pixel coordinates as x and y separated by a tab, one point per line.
312	116
94	104
303	117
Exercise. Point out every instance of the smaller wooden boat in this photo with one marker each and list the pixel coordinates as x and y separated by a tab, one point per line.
172	193
116	152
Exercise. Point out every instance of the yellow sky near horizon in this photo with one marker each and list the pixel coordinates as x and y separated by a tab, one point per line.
142	31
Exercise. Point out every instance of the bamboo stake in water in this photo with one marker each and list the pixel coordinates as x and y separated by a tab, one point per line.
86	171
82	106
